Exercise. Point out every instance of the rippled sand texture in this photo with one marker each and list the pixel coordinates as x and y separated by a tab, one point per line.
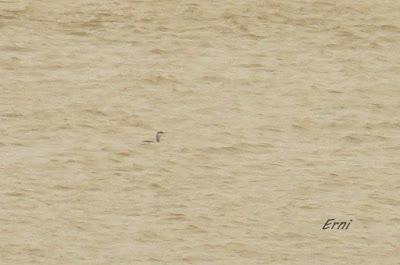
280	115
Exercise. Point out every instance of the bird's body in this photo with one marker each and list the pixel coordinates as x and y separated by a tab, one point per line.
158	138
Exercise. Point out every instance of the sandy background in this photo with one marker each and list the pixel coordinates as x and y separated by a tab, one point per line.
280	115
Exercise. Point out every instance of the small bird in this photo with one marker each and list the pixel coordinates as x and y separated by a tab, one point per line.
158	137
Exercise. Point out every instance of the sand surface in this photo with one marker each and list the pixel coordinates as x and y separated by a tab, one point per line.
279	115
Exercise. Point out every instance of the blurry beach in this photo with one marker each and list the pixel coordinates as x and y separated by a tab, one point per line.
279	115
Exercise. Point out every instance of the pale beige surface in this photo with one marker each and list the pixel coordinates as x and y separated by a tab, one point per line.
280	114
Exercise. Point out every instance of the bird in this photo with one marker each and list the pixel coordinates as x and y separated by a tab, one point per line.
158	137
